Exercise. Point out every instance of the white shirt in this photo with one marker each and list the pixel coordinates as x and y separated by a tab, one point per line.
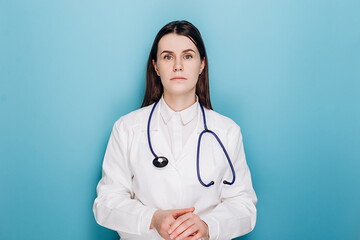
177	126
132	188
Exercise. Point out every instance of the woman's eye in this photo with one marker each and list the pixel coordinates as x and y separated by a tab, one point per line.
168	57
188	56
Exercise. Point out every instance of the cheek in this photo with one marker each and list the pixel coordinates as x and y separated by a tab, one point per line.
195	69
163	69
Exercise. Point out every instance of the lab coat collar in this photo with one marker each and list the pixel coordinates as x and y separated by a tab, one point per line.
156	117
186	115
157	137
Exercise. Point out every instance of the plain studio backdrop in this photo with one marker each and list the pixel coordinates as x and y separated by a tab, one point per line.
287	72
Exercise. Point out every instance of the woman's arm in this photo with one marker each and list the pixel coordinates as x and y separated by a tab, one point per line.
114	206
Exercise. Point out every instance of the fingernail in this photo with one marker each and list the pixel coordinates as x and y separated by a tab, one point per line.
171	236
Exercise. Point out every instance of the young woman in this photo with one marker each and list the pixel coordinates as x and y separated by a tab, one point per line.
175	169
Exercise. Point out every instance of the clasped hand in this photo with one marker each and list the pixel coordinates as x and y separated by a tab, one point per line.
179	224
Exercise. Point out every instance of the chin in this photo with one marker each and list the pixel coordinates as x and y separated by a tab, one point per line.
180	92
179	88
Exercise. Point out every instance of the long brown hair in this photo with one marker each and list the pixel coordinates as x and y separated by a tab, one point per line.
154	88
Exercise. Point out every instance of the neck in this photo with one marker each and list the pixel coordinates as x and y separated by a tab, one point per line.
179	103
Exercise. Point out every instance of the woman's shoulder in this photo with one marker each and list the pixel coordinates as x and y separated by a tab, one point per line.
134	119
219	121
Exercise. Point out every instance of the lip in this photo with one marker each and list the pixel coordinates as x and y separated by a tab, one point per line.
178	78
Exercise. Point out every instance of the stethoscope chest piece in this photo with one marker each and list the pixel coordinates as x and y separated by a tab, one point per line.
160	162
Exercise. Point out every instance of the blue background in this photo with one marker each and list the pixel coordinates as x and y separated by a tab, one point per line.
287	72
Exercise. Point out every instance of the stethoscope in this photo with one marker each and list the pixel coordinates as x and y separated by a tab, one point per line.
161	161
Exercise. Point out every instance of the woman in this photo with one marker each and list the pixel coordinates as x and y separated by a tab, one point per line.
195	192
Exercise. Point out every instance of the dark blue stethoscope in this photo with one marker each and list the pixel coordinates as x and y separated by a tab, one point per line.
161	161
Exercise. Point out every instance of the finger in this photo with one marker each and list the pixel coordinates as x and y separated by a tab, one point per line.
179	221
191	235
195	237
189	231
178	212
181	228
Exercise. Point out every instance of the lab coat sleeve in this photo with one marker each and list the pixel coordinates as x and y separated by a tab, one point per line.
115	208
236	214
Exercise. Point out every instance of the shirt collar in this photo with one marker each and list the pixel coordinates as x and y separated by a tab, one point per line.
186	115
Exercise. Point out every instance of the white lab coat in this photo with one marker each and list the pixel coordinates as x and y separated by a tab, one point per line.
132	188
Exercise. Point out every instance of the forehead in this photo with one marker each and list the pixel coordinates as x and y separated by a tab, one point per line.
175	43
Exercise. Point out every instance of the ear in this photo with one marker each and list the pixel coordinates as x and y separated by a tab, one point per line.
202	66
155	67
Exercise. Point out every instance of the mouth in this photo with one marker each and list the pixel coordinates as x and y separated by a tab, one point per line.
178	78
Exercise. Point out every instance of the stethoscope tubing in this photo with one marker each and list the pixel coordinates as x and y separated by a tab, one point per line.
223	148
206	130
148	129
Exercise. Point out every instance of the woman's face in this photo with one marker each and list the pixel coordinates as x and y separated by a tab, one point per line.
178	64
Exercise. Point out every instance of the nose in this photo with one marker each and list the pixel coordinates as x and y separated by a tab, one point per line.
178	66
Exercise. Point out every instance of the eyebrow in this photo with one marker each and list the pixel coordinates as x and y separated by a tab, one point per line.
186	50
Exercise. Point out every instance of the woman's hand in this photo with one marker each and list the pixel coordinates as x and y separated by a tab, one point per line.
163	219
190	227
